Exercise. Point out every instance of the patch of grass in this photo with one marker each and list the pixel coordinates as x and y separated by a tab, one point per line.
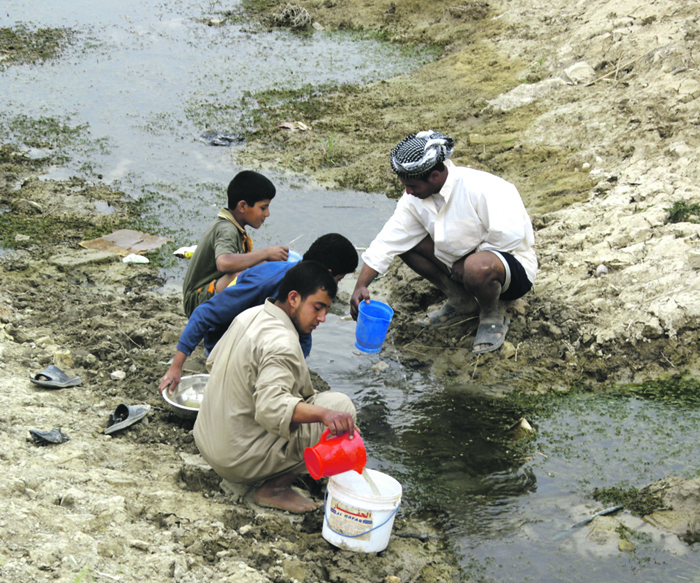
626	533
12	159
47	229
639	502
20	44
259	6
58	137
302	104
682	212
43	132
260	113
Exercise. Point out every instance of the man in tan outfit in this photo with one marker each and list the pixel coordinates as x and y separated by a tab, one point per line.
260	410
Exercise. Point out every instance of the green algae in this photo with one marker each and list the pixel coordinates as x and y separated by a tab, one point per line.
639	502
680	390
20	44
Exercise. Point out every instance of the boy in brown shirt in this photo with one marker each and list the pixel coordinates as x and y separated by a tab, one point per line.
225	249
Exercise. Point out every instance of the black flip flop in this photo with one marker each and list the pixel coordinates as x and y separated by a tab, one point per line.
45	437
125	416
53	377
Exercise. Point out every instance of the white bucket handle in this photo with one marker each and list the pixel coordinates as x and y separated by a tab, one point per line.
325	518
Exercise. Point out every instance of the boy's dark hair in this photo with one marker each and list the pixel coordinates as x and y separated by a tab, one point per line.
440	166
251	187
307	277
335	252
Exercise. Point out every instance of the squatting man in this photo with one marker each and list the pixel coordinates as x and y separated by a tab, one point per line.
464	230
260	411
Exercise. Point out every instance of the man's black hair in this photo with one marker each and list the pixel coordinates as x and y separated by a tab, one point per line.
306	278
440	166
335	252
251	187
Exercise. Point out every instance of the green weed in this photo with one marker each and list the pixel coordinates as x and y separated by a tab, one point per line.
682	212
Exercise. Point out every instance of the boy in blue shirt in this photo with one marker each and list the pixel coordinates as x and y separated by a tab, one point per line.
211	319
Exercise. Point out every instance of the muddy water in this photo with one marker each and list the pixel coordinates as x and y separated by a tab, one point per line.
142	81
501	502
140	77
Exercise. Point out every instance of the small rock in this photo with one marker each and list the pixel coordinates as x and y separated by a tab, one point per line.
601	270
392	579
318	26
579	73
44	342
694	259
63	359
117	375
626	546
22	238
169	337
521	429
214	22
245	529
110	548
380	366
139	544
508	350
71	498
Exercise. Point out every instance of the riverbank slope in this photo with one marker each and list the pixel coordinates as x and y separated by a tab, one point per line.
592	111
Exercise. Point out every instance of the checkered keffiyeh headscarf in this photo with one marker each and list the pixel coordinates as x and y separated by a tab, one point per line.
418	153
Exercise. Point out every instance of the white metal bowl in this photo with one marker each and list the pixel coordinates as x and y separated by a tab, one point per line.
187	396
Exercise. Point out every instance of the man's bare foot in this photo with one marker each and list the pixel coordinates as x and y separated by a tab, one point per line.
278	493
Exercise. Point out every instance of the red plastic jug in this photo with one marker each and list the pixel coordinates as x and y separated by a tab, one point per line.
335	455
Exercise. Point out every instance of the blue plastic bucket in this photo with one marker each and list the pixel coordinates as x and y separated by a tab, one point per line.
373	322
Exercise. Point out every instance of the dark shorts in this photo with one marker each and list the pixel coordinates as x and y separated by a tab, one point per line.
198	296
519	283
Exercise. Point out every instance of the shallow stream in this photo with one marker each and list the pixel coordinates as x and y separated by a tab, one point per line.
140	79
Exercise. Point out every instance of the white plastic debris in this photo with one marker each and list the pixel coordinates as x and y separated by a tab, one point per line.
185	252
134	258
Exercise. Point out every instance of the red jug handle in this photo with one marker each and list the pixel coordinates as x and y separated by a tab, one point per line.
327	433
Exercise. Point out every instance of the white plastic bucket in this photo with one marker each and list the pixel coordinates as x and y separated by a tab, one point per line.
357	519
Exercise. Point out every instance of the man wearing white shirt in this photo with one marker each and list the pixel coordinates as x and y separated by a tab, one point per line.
464	230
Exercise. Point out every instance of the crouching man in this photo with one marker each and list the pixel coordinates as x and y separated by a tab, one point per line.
260	410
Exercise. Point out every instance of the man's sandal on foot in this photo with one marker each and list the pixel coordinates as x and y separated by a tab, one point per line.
445	316
490	335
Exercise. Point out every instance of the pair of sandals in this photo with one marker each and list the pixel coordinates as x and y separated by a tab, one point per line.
490	336
53	377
